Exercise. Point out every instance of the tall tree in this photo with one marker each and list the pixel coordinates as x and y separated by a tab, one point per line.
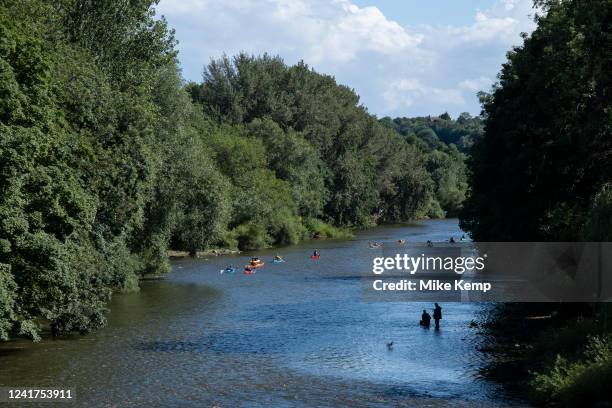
547	147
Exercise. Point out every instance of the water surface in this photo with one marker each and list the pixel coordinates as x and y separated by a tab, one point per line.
293	334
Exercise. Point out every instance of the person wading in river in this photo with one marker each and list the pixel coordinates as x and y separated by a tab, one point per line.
425	319
437	315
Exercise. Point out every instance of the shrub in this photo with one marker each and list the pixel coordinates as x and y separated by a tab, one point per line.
320	229
583	381
251	236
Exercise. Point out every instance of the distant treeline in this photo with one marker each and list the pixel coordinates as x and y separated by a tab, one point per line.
445	143
107	159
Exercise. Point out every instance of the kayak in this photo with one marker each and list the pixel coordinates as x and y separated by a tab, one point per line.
255	265
248	271
278	260
315	257
227	270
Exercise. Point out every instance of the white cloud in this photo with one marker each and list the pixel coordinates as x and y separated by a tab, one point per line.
502	23
397	70
477	84
334	31
407	92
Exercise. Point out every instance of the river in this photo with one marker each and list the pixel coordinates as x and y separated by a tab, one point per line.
294	334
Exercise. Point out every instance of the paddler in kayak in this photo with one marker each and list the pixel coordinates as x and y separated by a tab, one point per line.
228	269
255	262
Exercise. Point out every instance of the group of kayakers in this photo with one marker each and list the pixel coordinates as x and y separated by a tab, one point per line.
256	263
402	242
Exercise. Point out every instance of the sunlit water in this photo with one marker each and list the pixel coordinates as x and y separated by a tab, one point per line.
294	334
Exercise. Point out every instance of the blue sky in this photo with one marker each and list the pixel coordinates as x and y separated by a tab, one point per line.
417	12
403	57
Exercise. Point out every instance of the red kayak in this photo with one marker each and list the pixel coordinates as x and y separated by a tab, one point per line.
315	257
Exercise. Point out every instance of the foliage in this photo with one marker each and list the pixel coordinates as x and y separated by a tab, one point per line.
547	146
294	160
438	131
583	378
319	229
350	164
598	225
107	159
542	170
250	236
444	142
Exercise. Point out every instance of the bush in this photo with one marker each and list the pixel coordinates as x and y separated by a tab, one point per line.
251	236
320	229
286	230
585	381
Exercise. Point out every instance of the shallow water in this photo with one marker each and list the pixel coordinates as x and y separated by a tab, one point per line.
293	334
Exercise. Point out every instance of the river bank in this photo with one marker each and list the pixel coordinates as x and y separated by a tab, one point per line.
173	254
315	230
559	354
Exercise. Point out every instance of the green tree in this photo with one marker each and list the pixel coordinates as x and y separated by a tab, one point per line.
547	144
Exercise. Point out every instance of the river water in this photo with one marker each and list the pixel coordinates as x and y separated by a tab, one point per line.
294	334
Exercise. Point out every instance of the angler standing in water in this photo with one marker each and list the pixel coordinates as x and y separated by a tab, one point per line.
437	315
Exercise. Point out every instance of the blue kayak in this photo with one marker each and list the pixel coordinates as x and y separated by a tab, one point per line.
278	260
227	270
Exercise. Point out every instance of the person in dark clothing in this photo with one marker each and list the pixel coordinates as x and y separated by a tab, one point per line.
425	319
437	315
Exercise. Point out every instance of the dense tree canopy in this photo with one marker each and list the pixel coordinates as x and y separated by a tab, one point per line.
107	159
311	125
540	171
445	143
